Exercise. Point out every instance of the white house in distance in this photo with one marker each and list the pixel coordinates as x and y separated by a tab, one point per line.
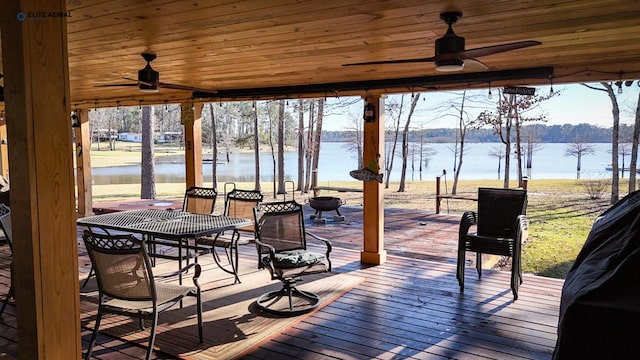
160	138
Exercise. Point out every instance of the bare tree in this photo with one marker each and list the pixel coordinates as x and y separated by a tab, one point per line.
405	141
465	122
530	147
615	137
317	139
498	154
354	140
578	149
502	123
300	145
281	189
256	146
394	109
214	148
273	153
147	176
633	166
310	145
510	118
623	151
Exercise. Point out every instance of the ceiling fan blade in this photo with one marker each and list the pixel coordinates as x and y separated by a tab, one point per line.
475	65
429	59
489	50
184	87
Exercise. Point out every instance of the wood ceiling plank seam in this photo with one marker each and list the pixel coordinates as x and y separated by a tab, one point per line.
168	65
543	9
226	22
265	30
588	32
290	31
551	24
164	10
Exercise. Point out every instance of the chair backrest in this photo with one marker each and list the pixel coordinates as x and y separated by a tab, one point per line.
122	266
199	200
281	225
5	222
240	204
498	210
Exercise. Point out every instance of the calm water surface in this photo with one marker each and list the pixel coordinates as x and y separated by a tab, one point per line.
336	160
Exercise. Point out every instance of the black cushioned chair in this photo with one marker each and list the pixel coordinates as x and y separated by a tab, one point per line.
282	245
126	285
501	226
238	204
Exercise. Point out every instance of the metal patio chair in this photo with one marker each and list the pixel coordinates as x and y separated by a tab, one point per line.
197	200
501	226
282	244
127	286
238	204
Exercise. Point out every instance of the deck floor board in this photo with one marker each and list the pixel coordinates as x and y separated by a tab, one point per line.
409	307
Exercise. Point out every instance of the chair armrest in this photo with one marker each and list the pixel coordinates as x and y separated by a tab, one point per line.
317	237
469	218
272	253
326	242
522	229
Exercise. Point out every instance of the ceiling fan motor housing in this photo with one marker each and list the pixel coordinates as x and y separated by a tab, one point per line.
148	79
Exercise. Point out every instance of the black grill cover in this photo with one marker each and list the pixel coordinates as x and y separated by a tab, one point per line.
600	305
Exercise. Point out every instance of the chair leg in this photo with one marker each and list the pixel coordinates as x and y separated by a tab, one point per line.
231	252
199	310
94	336
460	268
152	336
516	279
6	301
91	273
479	264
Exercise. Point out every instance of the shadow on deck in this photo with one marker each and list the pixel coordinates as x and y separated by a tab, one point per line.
409	307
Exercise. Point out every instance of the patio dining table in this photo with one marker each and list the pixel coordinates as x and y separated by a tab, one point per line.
179	226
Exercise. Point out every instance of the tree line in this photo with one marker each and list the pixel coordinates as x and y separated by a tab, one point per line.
566	133
283	125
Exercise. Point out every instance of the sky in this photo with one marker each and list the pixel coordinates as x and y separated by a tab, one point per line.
576	104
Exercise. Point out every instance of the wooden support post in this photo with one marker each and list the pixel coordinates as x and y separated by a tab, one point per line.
191	119
83	163
45	254
373	209
437	194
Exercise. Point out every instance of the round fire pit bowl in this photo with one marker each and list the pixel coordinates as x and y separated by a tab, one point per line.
325	203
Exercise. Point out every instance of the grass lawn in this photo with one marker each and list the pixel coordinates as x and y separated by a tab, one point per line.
560	211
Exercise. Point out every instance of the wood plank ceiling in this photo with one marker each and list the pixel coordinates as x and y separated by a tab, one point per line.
234	45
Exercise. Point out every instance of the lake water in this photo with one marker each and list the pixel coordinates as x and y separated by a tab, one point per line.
336	160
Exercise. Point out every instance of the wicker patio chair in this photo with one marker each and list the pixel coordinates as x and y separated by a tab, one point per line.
282	244
126	285
238	204
501	226
5	223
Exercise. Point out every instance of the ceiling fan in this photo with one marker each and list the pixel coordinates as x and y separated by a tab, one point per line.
149	79
450	52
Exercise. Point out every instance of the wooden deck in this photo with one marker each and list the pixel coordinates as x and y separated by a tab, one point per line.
409	307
